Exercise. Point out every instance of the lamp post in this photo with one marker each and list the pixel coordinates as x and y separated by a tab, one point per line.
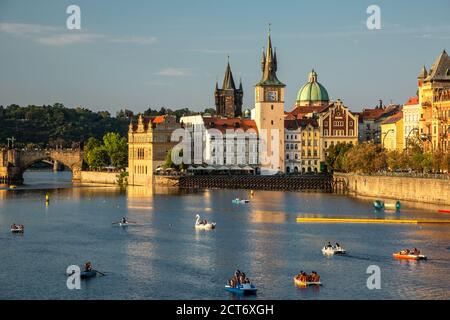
385	135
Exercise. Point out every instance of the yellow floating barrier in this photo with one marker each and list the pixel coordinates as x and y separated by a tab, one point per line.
380	221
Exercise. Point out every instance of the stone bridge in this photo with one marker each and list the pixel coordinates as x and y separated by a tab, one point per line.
14	162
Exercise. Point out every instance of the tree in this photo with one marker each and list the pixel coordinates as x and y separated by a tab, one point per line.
117	148
100	158
336	156
88	151
365	158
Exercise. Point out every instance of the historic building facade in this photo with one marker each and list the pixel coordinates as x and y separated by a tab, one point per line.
148	144
411	116
338	125
268	113
303	146
392	132
229	99
434	100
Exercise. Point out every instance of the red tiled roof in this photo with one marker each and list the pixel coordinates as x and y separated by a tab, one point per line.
412	101
223	124
158	119
394	118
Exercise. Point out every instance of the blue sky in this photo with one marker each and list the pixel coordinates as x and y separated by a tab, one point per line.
140	54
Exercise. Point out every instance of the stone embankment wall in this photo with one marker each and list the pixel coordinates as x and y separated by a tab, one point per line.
425	190
93	177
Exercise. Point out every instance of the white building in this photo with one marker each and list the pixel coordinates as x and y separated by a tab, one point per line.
411	116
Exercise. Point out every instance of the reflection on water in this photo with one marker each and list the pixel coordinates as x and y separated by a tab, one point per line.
164	257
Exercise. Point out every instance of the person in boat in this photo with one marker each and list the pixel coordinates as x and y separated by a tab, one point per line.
88	266
13	226
329	245
338	246
416	252
124	220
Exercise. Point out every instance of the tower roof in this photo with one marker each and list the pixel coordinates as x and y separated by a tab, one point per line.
228	81
269	68
441	68
423	73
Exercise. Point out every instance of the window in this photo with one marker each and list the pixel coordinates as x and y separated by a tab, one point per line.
271	122
271	107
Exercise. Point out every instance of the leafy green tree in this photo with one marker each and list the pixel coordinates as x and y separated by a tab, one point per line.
117	148
336	156
100	158
88	151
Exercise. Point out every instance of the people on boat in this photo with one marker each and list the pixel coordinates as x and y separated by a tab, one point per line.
338	246
238	278
124	220
416	252
304	277
88	266
329	245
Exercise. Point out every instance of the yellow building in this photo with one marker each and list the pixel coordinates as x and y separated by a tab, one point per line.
148	144
392	132
434	100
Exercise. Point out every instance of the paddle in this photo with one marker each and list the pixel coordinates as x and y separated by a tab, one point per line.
99	272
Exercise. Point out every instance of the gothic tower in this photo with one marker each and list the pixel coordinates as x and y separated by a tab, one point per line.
269	112
229	99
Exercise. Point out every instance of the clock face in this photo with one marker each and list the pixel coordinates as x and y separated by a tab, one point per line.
272	95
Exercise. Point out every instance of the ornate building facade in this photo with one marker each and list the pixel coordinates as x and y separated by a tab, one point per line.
229	99
434	100
148	144
268	113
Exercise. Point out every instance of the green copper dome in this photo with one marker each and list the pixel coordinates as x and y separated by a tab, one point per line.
312	91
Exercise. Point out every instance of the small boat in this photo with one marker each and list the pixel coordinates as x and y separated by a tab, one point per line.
240	201
444	211
17	229
242	289
393	206
378	205
304	284
333	250
12	186
87	274
409	256
203	226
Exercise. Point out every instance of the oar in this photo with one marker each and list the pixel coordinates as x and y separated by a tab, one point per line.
99	272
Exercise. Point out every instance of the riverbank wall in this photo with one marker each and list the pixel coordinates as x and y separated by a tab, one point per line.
403	188
94	177
315	183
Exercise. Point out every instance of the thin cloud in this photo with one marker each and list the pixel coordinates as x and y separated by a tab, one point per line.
58	36
134	40
175	72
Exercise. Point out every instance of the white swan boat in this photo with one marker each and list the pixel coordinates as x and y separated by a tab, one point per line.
203	226
333	250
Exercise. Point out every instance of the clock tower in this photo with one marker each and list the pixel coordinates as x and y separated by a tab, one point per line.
269	113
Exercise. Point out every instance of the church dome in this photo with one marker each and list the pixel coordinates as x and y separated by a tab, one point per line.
312	92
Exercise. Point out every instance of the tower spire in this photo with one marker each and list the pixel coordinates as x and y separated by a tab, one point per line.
228	81
269	76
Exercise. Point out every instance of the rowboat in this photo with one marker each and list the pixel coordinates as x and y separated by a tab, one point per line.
242	289
87	274
303	284
17	230
333	250
399	255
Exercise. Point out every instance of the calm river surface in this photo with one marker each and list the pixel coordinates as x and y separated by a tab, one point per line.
163	257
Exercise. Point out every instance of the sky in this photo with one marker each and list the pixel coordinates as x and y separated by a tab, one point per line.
140	54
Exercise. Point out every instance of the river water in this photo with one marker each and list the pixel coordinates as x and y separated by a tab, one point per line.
163	257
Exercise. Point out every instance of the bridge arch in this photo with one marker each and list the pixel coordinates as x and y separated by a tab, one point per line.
15	162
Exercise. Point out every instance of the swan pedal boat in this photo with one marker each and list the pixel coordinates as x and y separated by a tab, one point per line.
333	250
399	255
243	289
201	226
300	283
